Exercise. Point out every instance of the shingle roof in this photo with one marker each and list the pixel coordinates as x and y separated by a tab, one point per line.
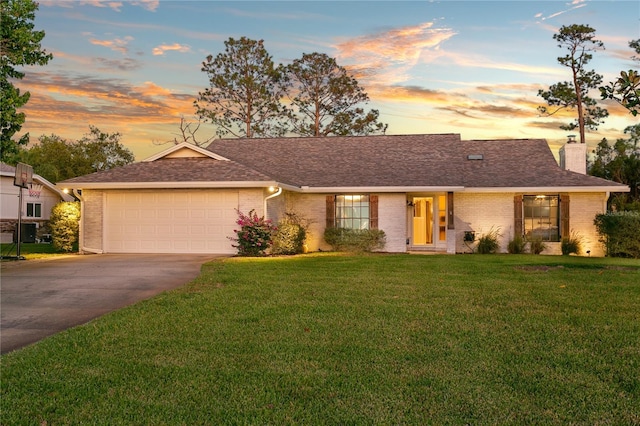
365	161
404	161
175	170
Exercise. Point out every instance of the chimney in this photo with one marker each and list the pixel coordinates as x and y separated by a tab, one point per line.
573	156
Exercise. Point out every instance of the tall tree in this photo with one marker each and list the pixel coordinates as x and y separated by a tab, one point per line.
243	99
621	163
19	46
579	40
326	99
57	159
626	89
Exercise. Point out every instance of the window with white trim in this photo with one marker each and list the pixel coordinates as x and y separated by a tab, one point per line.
34	210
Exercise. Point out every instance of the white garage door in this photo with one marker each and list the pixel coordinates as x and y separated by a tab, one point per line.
170	221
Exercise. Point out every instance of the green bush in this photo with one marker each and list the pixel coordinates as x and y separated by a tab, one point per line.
488	243
620	233
536	245
517	245
355	240
64	224
290	236
571	244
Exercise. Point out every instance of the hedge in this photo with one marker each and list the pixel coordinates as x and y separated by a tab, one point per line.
620	233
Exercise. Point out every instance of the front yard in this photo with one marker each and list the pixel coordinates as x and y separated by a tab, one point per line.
337	339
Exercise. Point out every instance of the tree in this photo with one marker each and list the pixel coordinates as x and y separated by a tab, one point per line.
19	46
243	99
621	163
57	159
103	151
187	133
626	90
324	98
579	41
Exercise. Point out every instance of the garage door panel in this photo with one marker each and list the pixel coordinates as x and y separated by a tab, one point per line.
181	221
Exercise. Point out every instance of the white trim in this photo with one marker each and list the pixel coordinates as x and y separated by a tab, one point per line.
186	145
173	185
378	189
45	183
540	189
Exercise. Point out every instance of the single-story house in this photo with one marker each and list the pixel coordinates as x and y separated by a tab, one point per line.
37	202
426	192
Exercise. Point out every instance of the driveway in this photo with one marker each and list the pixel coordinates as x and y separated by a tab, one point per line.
39	298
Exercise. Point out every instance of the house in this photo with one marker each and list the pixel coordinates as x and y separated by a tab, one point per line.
37	202
426	192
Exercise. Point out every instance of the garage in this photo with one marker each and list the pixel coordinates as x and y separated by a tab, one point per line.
170	221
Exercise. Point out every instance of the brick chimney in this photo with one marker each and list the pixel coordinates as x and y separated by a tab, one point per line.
573	156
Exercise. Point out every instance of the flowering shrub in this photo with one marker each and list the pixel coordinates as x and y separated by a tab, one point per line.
255	234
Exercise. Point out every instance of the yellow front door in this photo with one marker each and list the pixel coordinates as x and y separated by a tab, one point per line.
422	221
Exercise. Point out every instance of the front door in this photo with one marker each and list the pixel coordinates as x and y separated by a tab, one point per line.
422	221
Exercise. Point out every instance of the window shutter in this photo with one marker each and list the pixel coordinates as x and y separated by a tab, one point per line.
331	211
565	229
373	211
517	216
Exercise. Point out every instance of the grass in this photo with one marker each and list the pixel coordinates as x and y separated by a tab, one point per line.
333	339
30	250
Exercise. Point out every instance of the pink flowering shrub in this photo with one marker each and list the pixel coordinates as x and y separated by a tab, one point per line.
255	234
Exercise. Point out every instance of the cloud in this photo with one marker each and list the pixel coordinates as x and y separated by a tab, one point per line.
394	52
575	4
125	64
160	50
117	44
150	5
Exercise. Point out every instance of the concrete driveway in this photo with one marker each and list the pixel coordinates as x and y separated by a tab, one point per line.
39	298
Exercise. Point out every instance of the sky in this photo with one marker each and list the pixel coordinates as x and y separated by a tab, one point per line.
468	67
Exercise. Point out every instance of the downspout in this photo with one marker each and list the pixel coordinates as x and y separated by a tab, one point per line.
275	194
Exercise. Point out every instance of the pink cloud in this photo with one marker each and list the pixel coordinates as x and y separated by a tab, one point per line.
160	50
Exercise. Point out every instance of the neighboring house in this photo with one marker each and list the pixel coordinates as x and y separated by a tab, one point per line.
37	202
426	192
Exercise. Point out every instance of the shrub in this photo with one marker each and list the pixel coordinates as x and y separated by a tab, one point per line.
488	243
517	245
254	235
290	236
620	233
571	244
64	224
536	245
356	240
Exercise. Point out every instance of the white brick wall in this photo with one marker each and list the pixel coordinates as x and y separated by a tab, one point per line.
91	221
480	212
391	218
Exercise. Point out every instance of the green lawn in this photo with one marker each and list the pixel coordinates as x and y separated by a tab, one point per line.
29	250
336	339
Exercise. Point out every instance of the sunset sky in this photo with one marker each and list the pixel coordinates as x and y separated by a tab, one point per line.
468	67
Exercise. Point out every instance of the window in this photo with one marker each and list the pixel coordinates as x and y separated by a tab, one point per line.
34	210
541	216
352	211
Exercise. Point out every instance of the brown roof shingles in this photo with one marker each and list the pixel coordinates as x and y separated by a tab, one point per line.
363	161
175	170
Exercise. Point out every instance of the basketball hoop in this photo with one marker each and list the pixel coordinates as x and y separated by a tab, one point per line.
24	175
35	190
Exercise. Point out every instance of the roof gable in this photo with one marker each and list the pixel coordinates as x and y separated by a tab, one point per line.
185	150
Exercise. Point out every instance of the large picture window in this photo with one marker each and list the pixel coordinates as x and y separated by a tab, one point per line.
541	217
355	211
352	212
